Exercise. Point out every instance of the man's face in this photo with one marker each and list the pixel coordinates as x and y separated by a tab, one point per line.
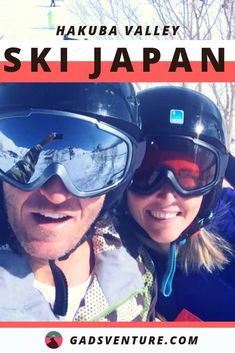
49	221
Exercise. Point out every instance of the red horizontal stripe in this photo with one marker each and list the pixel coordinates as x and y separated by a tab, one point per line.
79	72
58	324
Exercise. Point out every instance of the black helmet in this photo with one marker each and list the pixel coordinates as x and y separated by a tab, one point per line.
100	100
108	106
175	115
200	117
113	104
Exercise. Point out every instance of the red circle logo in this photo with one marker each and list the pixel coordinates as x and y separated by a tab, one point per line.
53	339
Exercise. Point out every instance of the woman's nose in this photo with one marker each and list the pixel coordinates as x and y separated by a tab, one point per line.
55	191
166	191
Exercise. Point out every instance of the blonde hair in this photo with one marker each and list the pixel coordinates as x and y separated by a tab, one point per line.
206	250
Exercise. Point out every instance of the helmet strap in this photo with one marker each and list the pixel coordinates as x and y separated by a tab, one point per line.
194	228
61	292
166	285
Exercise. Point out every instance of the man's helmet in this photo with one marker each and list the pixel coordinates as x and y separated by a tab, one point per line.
186	145
89	135
86	133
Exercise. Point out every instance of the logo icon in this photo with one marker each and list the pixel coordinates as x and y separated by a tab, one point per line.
53	339
176	116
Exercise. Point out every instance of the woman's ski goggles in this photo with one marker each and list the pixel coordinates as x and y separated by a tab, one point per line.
193	167
90	156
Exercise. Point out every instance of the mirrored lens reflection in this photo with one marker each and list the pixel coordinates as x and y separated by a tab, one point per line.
93	158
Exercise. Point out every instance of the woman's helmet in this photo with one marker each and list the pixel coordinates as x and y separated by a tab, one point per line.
186	145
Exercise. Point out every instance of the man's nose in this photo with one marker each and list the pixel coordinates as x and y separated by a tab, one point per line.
55	191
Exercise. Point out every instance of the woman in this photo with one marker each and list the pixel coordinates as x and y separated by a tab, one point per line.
170	205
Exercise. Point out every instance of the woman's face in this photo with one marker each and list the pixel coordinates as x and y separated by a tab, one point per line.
164	214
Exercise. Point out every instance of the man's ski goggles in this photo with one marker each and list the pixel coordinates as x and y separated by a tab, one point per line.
193	167
90	156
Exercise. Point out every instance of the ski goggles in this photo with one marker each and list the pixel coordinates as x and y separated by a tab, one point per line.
90	156
192	166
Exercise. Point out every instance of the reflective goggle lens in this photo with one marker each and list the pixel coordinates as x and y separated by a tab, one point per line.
194	166
94	155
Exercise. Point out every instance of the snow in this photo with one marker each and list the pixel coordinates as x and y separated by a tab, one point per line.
93	168
30	19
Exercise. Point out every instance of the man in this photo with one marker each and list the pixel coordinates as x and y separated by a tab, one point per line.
65	261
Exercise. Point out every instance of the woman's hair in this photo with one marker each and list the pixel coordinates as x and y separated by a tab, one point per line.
205	250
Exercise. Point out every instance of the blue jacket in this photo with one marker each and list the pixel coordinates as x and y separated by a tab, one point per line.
211	297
